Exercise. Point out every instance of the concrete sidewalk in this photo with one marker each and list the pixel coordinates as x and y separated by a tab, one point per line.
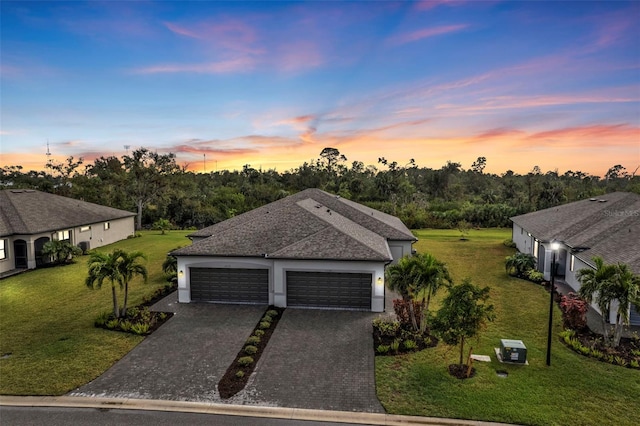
232	410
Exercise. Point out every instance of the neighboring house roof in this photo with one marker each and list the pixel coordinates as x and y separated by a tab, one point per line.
311	224
27	211
607	226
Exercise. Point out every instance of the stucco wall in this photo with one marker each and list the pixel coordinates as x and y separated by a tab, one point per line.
97	236
522	239
277	274
399	249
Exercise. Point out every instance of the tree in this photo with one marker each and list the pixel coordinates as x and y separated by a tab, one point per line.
170	268
331	156
626	289
401	279
119	268
596	288
60	251
129	267
519	263
479	165
162	225
429	275
147	176
464	312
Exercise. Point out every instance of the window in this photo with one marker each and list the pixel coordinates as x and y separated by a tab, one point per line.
3	251
85	228
572	263
535	248
64	235
107	225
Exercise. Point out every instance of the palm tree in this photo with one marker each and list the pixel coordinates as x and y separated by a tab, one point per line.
129	267
401	279
625	287
429	275
103	266
119	267
170	268
596	288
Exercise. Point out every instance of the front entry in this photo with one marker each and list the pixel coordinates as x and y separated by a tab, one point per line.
20	253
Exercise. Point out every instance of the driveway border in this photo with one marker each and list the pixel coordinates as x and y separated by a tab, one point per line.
233	410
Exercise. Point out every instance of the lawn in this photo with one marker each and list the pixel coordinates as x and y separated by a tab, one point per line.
574	390
46	321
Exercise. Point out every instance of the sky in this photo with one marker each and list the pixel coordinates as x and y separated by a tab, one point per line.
270	84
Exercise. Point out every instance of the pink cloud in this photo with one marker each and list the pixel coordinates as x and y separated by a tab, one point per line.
243	64
298	55
410	37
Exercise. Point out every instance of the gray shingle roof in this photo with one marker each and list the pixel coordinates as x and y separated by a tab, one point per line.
607	226
311	224
26	211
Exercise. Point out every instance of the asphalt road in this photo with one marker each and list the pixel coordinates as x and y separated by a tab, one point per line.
27	416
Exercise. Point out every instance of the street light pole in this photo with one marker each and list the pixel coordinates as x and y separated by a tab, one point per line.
554	248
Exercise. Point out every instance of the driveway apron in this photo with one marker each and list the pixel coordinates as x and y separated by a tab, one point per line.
318	359
182	360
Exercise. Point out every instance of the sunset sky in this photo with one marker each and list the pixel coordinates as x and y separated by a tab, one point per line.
270	84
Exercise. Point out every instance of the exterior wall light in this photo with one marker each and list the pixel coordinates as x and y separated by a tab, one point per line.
379	289
181	273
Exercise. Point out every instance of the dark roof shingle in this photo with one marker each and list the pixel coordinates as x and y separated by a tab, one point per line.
27	211
607	226
311	224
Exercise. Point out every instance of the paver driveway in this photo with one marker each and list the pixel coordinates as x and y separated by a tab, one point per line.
315	359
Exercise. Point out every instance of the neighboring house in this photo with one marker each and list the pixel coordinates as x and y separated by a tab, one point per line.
310	249
30	218
607	226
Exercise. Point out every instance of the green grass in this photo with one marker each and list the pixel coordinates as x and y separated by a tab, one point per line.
574	391
46	321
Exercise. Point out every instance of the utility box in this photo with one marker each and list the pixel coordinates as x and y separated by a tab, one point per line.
513	351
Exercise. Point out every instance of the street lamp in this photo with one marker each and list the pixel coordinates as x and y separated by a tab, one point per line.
554	247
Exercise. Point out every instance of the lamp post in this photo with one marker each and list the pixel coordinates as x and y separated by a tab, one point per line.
554	248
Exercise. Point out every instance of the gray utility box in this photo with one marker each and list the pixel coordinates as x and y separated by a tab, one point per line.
513	351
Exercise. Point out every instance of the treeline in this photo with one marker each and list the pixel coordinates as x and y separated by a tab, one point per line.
156	187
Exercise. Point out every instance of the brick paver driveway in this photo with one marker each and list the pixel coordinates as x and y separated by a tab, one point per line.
315	359
319	359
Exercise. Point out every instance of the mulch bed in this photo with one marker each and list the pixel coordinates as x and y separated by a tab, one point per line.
595	341
230	384
459	371
422	340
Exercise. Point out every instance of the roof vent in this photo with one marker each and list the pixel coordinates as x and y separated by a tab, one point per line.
592	199
602	201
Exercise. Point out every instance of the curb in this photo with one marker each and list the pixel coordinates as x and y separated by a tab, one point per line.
233	410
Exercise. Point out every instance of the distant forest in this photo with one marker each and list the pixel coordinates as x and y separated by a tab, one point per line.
156	187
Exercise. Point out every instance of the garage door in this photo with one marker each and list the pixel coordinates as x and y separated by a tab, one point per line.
329	290
230	285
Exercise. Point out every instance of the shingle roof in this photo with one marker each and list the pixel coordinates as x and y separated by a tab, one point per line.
311	224
26	211
607	226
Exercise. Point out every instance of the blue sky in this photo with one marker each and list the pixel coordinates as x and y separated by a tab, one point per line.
553	84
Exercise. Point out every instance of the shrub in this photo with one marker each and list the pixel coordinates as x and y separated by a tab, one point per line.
574	311
386	327
534	276
112	324
596	354
634	363
509	243
409	345
267	317
382	349
635	352
140	328
253	340
519	263
102	319
618	360
401	309
258	333
125	325
245	361
163	316
395	345
272	312
264	325
250	349
239	374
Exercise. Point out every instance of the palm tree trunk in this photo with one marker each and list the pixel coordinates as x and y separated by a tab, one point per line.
412	314
126	298
116	311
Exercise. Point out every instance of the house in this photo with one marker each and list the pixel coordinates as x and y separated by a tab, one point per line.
607	226
30	218
310	249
